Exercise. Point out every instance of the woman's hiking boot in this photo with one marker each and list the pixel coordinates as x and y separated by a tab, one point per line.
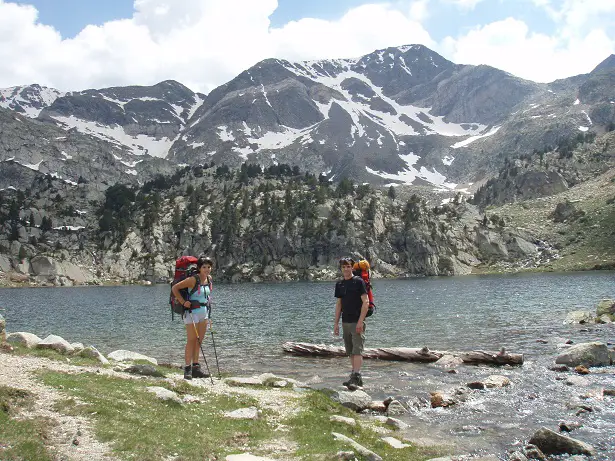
197	372
188	372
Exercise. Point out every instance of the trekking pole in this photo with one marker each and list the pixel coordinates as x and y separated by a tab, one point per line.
196	331
213	342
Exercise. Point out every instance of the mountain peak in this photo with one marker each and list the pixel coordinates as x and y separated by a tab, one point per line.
607	64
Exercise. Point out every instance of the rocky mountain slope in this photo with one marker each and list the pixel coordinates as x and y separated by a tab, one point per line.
272	225
402	115
114	184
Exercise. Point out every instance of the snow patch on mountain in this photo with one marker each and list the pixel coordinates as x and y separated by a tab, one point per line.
392	123
471	139
139	144
408	175
32	99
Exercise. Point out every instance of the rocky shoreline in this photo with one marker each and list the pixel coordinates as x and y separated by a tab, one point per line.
575	362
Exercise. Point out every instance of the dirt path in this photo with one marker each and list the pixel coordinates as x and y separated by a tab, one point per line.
71	437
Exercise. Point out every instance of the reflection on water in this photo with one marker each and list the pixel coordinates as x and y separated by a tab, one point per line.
458	313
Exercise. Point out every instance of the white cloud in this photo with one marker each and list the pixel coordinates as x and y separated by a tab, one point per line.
510	45
201	43
464	4
204	43
419	11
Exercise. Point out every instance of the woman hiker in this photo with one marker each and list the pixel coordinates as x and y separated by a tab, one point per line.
196	316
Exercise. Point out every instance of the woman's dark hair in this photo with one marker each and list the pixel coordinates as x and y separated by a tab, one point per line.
346	261
204	260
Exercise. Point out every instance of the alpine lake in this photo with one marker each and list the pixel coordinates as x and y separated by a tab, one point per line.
523	313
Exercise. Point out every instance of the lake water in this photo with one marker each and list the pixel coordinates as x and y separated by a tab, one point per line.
252	321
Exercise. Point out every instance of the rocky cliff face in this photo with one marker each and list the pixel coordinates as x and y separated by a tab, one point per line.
276	227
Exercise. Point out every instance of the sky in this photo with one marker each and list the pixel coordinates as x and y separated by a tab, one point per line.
80	44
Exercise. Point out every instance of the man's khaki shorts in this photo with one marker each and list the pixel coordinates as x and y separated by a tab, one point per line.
353	341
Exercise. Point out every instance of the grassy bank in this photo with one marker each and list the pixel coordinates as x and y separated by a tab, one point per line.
137	425
21	439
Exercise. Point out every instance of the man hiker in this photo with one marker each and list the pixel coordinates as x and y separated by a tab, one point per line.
352	304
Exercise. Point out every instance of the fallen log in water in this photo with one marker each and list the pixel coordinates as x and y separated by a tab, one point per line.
405	354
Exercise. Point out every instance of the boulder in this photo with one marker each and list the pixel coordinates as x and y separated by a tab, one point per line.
343	420
92	352
604	318
243	413
394	443
43	266
594	354
396	423
356	400
77	347
552	443
580	317
144	370
494	381
164	394
441	400
606	306
364	452
396	408
244	381
56	343
23	338
129	356
5	264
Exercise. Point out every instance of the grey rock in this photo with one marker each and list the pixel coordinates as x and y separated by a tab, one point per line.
23	338
580	317
164	394
364	452
129	356
605	306
594	354
343	420
552	443
356	400
396	408
394	443
497	381
56	343
144	370
92	352
243	413
77	347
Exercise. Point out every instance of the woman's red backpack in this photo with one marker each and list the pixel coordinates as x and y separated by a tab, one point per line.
184	267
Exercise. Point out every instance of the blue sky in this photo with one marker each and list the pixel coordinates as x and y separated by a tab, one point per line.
69	17
205	43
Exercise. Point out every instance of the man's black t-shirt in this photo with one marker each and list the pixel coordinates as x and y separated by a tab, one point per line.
350	292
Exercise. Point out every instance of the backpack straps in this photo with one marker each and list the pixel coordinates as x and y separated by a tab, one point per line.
195	287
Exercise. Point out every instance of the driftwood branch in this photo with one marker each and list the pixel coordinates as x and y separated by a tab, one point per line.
405	354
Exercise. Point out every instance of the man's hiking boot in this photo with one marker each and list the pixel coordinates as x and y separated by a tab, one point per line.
349	380
197	372
188	372
358	379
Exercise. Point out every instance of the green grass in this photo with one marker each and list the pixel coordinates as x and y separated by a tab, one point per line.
311	428
140	426
24	439
55	355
